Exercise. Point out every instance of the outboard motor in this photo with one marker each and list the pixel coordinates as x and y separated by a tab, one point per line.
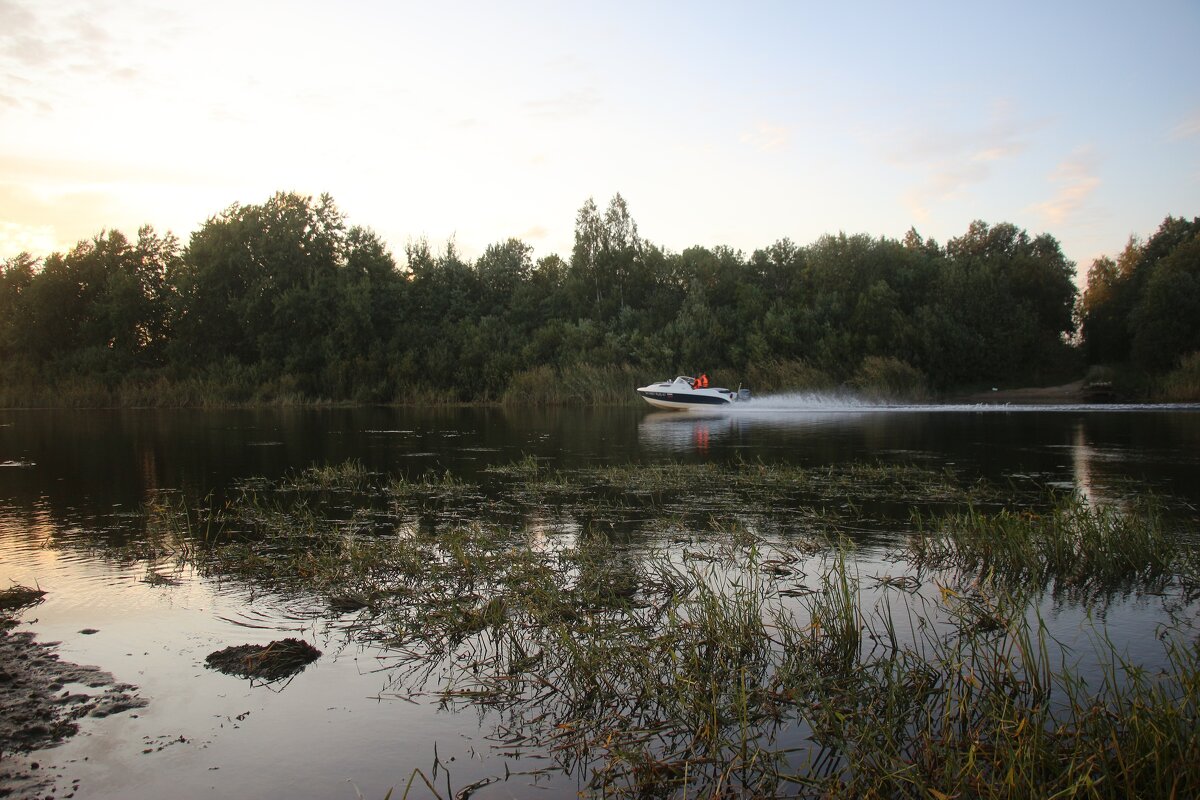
743	395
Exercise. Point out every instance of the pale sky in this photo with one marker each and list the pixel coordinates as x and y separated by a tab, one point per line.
720	123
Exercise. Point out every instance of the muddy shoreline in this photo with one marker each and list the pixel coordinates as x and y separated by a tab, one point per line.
1065	394
42	700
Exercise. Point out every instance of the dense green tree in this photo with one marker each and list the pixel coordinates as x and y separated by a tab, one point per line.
285	293
16	276
604	260
502	269
1104	309
1034	272
131	315
103	303
258	283
1144	305
1165	322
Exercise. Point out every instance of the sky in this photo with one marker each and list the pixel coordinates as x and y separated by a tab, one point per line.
735	124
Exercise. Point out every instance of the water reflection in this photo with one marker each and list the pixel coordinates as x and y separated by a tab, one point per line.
675	432
1103	453
72	482
1082	456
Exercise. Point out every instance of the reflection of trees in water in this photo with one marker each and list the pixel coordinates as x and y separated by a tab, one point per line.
88	527
1115	462
1081	461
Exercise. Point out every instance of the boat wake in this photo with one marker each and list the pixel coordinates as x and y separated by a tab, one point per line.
850	403
809	401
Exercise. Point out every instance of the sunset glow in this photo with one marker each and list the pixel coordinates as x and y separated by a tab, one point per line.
719	124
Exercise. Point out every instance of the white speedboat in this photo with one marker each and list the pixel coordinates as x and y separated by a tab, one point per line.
681	394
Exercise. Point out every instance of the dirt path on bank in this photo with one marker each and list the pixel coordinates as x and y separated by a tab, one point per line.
1066	394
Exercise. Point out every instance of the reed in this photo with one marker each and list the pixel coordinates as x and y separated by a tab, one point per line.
16	597
1182	385
989	713
887	379
712	659
575	385
1072	547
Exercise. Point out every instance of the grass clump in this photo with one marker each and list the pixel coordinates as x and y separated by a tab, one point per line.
575	385
349	475
1072	547
17	597
888	379
270	663
1182	385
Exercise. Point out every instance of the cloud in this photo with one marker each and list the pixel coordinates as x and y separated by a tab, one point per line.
39	36
950	161
56	49
17	238
39	225
572	103
1076	180
535	232
1188	128
767	137
65	174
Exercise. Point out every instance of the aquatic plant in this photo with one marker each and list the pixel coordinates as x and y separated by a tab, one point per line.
1071	547
721	655
17	597
270	663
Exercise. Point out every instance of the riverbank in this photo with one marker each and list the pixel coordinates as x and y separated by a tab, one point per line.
580	385
37	709
1065	394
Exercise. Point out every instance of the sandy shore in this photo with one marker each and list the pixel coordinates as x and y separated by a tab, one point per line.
1066	394
42	698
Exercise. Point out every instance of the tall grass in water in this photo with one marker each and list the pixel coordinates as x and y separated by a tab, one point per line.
995	711
886	379
736	664
783	375
1072	547
1182	385
576	385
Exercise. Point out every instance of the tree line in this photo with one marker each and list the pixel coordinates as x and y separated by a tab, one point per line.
288	293
1143	307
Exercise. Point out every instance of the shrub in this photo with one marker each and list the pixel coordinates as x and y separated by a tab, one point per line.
887	378
1182	385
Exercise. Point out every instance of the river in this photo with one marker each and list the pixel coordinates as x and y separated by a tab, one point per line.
73	485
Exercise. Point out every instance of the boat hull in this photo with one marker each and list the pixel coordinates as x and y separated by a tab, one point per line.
672	399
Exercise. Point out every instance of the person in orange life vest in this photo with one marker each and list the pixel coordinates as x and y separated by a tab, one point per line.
702	383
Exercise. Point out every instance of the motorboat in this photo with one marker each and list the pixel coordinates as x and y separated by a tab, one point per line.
682	394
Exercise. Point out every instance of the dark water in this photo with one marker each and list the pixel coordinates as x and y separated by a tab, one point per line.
72	484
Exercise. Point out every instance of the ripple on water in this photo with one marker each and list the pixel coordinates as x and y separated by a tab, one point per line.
270	612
